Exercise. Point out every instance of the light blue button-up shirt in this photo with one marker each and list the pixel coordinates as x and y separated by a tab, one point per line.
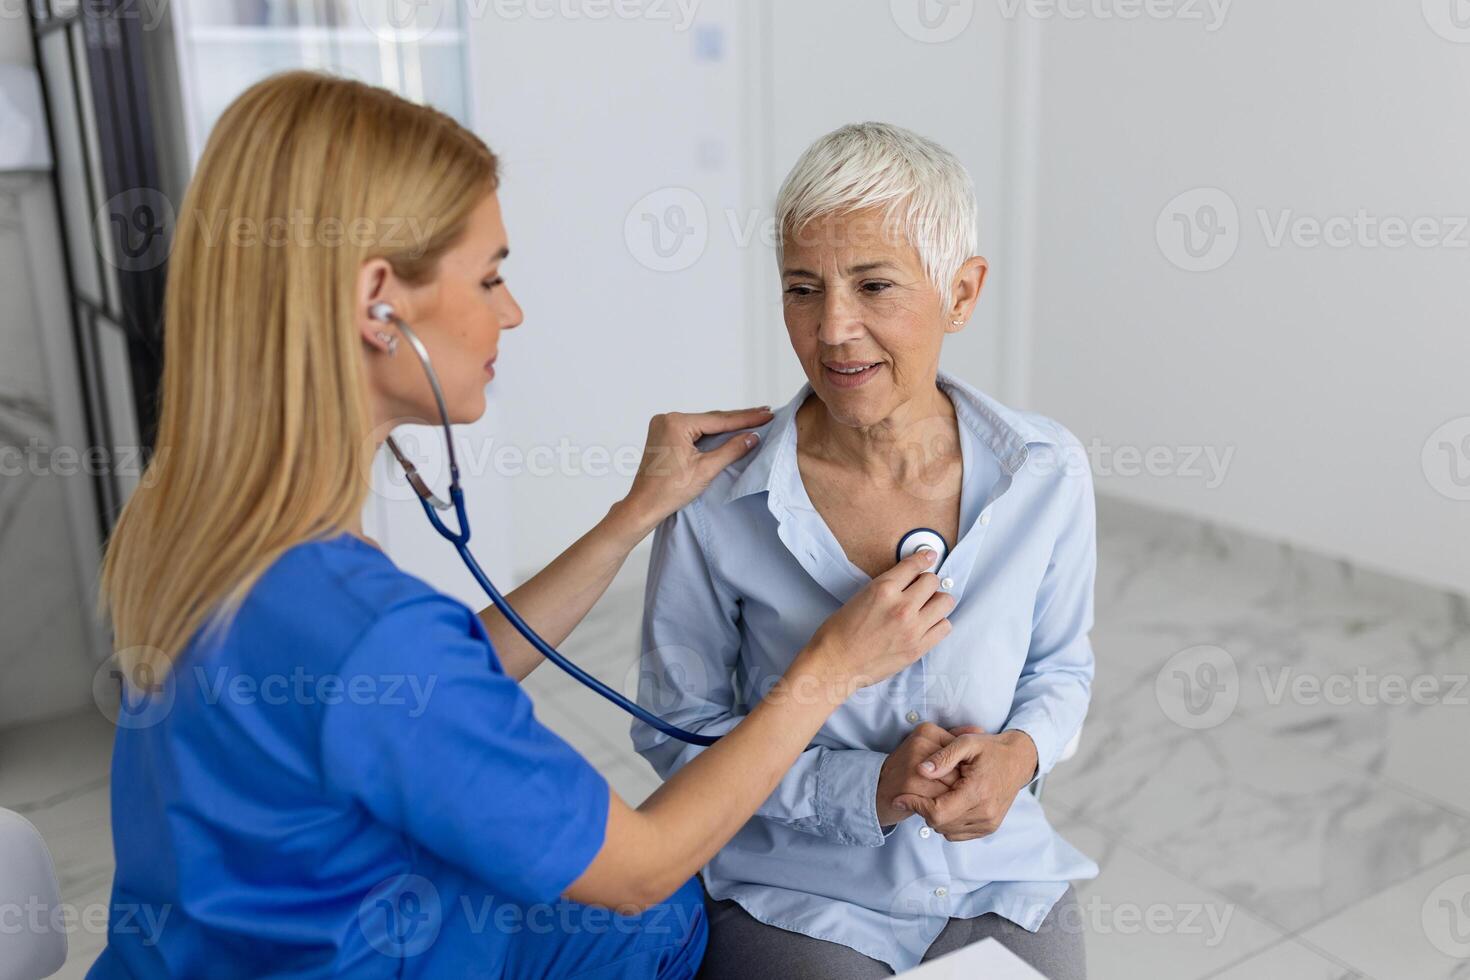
740	580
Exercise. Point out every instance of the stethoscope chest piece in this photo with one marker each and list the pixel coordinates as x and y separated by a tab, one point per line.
921	538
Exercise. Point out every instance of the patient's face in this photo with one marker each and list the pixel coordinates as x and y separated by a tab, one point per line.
865	321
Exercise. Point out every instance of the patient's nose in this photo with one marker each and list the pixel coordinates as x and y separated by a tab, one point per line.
841	321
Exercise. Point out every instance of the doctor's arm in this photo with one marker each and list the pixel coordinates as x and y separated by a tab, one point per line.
691	646
651	851
672	473
450	757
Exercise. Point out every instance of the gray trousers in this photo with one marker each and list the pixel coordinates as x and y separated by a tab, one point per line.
744	948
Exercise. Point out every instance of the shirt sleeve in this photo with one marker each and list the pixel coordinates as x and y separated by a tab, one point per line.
448	752
1055	683
691	649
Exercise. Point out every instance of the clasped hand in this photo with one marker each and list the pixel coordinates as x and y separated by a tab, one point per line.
961	781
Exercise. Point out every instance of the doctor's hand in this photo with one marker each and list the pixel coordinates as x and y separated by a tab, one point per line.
900	774
674	471
896	619
992	769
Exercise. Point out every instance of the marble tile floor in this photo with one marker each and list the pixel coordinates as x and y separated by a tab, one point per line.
1272	775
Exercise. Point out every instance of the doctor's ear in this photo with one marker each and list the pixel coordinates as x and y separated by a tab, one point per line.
965	291
375	303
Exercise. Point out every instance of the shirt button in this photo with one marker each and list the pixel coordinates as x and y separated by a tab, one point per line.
946	583
985	517
924	832
941	891
912	717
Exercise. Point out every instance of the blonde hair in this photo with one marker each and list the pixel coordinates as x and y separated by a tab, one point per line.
264	436
926	192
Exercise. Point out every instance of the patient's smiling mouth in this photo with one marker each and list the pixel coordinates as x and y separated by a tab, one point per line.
851	374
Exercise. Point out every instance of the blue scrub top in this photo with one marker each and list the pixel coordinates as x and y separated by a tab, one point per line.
344	782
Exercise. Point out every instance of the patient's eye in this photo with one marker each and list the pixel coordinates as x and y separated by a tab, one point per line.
875	286
800	289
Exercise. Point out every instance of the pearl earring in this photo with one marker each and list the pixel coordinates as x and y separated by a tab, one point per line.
958	323
388	339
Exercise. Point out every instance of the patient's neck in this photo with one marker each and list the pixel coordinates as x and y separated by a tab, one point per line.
915	437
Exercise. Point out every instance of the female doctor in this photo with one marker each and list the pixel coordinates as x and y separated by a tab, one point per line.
334	769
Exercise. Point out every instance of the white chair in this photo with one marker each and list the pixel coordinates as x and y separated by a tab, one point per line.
1070	750
31	944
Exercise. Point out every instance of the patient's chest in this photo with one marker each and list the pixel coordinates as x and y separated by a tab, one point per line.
868	516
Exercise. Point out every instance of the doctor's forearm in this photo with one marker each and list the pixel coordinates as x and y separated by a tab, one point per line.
558	597
649	852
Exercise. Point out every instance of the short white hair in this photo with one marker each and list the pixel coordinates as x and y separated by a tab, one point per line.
926	192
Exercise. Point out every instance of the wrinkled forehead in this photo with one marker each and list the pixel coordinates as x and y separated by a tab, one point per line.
871	233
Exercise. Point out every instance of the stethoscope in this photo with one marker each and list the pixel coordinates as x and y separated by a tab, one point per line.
916	540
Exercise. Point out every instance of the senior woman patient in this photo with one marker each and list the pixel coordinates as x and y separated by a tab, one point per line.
904	831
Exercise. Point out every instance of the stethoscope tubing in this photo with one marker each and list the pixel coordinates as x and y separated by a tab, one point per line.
461	544
431	504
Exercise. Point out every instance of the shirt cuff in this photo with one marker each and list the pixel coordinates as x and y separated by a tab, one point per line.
847	796
1042	733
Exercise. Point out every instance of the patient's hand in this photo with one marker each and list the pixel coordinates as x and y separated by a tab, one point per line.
900	774
992	769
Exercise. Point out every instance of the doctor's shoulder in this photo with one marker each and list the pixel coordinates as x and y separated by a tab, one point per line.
320	596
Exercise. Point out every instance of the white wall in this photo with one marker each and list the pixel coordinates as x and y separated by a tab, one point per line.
605	125
1324	370
602	126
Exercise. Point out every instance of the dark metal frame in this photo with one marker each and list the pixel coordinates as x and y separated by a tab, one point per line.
108	34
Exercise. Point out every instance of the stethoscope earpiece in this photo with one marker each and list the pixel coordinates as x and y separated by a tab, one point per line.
383	312
921	539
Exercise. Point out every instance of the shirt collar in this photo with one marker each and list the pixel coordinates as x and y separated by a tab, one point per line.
1004	431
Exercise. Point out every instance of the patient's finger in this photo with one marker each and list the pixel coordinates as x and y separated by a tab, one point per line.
942	811
926	790
915	803
931	732
947	780
945	759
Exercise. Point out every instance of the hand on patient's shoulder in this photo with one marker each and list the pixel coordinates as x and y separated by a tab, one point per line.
675	470
990	769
